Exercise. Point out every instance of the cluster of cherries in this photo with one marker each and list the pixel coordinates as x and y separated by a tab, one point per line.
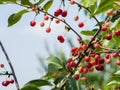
6	82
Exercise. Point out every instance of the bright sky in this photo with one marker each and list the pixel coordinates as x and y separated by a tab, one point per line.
24	43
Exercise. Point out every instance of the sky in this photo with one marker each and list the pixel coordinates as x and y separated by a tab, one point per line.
24	43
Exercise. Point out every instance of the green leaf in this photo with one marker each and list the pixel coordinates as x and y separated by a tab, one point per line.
115	25
26	2
103	5
55	61
111	84
14	18
38	83
48	5
29	87
88	32
117	73
87	2
3	1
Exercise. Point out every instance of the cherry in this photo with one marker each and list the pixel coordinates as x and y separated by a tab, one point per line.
72	2
42	24
94	62
48	30
64	13
32	23
33	8
76	76
57	21
117	33
108	37
1	65
84	46
91	69
107	56
68	65
118	62
108	61
78	39
93	55
104	28
83	78
101	60
97	56
80	24
106	24
85	70
88	65
46	17
11	81
109	13
76	18
69	60
5	83
99	67
80	70
87	58
115	54
60	38
96	46
73	64
58	12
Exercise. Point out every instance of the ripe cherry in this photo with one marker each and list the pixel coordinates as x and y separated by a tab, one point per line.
80	24
76	76
109	13
83	78
5	83
58	12
73	64
96	46
118	62
91	69
107	56
117	33
57	21
101	60
87	58
11	81
1	65
78	39
85	70
68	65
97	56
80	70
88	65
76	18
115	54
108	61
48	30
94	62
60	38
42	24
104	28
46	17
72	2
108	37
64	13
32	23
69	60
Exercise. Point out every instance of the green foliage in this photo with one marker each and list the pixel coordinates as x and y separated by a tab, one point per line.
29	87
88	32
26	2
14	18
48	5
4	1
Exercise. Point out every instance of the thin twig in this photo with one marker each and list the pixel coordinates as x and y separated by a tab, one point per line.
11	66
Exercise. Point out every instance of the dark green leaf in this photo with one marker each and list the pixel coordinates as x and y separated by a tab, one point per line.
38	83
26	2
14	18
48	5
3	1
29	87
88	32
115	24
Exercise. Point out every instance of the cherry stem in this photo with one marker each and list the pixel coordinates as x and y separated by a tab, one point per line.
10	64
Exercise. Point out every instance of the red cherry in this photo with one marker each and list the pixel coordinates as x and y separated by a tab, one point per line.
94	62
11	81
115	54
118	62
33	8
84	46
58	12
76	76
69	60
64	13
109	13
32	23
68	65
73	64
46	17
1	65
97	56
57	21
42	24
85	70
80	70
76	18
80	24
117	33
87	58
78	39
96	46
60	38
107	56
72	2
108	37
104	28
48	30
83	78
91	69
88	65
101	60
5	83
108	61
99	67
